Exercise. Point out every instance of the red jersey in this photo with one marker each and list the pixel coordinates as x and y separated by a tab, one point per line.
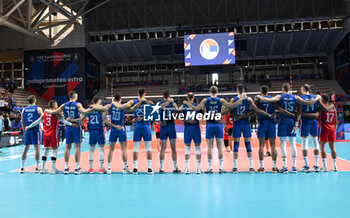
50	124
157	126
327	119
228	119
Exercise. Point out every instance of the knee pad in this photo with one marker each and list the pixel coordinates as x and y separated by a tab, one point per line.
148	146
235	146
198	150
53	158
248	146
304	143
315	142
43	158
136	146
284	146
293	144
187	150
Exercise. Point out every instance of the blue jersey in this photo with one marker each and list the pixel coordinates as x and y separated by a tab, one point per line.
188	112
213	105
309	109
267	107
29	115
117	115
95	120
241	109
71	110
288	103
167	112
139	112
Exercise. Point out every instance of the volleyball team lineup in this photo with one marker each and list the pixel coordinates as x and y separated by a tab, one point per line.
313	114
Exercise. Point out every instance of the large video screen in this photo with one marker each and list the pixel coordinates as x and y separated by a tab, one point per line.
210	49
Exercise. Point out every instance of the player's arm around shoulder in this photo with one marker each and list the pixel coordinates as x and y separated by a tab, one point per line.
270	100
198	107
57	111
307	102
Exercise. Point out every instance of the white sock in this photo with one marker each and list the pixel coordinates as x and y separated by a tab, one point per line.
262	164
210	163
53	166
161	164
101	164
44	163
199	163
109	165
77	165
91	163
66	166
22	163
149	162
125	164
250	162
306	161
175	164
334	162
37	164
135	164
101	155
187	163
294	161
324	162
274	163
284	162
221	162
317	158
235	162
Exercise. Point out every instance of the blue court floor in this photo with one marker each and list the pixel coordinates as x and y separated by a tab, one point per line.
322	195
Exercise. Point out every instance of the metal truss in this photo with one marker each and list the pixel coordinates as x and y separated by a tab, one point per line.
251	28
47	20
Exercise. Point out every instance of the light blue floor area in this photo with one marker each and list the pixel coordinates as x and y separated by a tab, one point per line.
322	195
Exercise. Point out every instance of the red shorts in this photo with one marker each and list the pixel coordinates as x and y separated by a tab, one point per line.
327	136
51	141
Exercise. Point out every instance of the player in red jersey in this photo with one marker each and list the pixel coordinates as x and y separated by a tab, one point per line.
228	132
328	126
51	137
157	130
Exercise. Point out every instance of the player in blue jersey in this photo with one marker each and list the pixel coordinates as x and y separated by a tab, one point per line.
32	136
116	111
266	129
72	110
241	125
167	130
309	126
214	129
97	119
287	124
142	129
192	132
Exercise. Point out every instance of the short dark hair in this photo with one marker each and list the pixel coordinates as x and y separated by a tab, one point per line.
306	87
190	95
71	94
166	94
141	91
117	96
31	99
51	103
264	89
286	87
325	98
240	88
213	89
95	99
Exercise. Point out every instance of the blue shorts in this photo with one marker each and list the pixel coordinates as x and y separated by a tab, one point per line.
32	137
285	129
97	137
238	129
73	135
214	130
192	132
267	129
167	130
117	134
142	131
309	129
